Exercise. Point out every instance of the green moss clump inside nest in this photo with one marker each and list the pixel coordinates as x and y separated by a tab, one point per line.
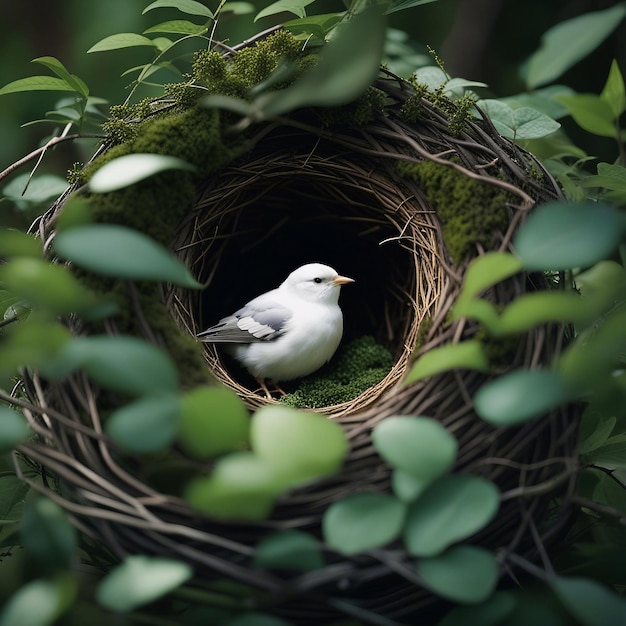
358	365
471	211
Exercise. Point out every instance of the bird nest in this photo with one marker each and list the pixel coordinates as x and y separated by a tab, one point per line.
337	195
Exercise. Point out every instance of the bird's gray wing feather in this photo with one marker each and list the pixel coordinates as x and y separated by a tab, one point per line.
257	321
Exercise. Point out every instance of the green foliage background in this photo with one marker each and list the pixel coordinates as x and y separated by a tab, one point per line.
484	41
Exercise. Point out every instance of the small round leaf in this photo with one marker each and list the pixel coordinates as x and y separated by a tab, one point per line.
520	396
300	446
452	508
289	550
13	429
463	573
214	421
419	446
362	522
140	580
407	487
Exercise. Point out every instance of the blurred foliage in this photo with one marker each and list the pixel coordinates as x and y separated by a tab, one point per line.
540	91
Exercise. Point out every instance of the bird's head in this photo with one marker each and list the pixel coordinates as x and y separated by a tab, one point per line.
316	282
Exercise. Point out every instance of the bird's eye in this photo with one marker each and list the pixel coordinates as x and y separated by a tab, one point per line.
317	280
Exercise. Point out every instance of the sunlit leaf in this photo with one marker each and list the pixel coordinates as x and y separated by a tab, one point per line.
465	574
39	602
214	420
563	45
346	67
13	429
451	509
297	7
465	355
238	8
36	83
147	425
60	70
122	252
566	235
242	486
25	191
591	113
132	168
419	446
121	40
542	100
47	534
299	445
190	7
591	603
519	396
362	522
140	580
518	123
182	27
289	550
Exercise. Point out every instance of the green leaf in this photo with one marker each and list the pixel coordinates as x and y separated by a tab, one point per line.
147	425
419	446
297	7
132	168
121	40
121	363
591	603
298	445
345	68
542	100
17	243
595	429
238	8
13	429
609	176
401	5
59	69
519	396
24	191
563	45
519	123
362	522
614	91
591	113
229	103
484	272
39	602
289	550
452	509
13	491
184	6
36	83
140	580
317	25
465	355
611	454
181	27
566	235
47	534
406	487
463	574
214	420
122	252
242	486
492	612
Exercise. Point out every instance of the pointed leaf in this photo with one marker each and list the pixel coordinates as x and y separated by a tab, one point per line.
121	40
140	580
289	549
297	7
13	491
591	113
465	355
13	429
36	83
529	123
214	421
122	252
147	425
181	27
401	5
362	522
453	508
191	7
59	69
614	91
132	168
565	44
520	396
419	446
463	573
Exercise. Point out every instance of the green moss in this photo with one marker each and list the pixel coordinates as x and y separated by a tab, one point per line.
471	211
357	113
356	367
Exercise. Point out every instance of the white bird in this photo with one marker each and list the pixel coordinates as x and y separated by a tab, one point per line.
287	332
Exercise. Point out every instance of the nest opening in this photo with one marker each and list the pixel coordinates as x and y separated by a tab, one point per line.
255	222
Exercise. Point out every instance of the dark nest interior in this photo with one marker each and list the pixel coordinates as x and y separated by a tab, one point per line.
306	194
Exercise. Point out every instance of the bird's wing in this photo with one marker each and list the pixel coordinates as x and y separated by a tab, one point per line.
259	320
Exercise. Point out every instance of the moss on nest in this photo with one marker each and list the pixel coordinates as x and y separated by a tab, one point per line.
358	365
471	211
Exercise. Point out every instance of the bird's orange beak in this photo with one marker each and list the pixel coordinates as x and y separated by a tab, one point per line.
342	280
